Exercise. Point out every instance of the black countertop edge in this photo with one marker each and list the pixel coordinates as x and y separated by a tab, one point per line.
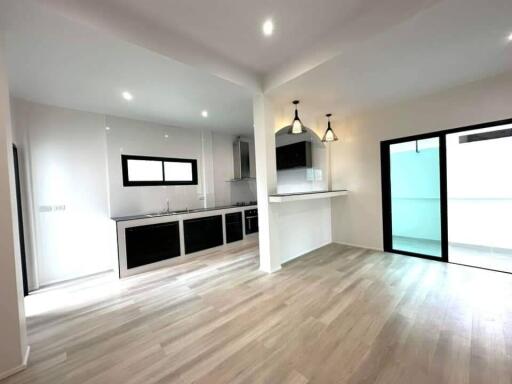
181	212
307	193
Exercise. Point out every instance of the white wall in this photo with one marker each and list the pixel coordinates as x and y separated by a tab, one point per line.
357	219
223	155
71	173
13	347
133	137
214	152
303	227
231	192
65	158
20	138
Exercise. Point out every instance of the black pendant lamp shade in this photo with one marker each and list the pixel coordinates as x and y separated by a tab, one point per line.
296	128
329	134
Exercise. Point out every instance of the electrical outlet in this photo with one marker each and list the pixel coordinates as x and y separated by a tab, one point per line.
52	208
45	208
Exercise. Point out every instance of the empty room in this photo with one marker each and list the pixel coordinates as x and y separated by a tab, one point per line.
287	191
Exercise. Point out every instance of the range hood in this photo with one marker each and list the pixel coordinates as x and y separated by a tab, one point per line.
241	160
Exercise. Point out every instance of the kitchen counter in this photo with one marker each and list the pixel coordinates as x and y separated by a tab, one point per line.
180	212
146	242
287	197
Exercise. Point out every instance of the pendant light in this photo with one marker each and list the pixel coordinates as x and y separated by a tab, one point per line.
296	128
329	134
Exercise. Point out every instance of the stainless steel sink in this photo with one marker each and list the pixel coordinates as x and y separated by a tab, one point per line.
180	212
170	213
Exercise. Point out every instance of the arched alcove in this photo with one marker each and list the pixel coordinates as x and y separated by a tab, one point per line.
310	171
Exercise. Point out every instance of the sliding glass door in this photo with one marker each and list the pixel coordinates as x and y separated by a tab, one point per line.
480	197
413	184
416	197
448	195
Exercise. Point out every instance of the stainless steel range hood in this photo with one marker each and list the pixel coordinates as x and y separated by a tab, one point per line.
241	160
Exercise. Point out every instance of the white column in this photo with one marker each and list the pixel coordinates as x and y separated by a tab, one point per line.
13	349
208	183
266	176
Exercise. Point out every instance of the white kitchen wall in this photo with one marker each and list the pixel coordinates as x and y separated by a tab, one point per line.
65	156
71	173
222	155
213	151
133	137
227	192
310	179
357	218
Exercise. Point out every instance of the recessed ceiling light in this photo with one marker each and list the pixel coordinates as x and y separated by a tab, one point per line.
204	113
268	27
166	136
510	37
127	96
107	128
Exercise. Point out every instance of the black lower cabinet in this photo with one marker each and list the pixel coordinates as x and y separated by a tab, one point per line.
148	244
203	233
234	228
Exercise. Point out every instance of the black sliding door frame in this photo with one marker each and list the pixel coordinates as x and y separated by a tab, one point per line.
387	221
386	194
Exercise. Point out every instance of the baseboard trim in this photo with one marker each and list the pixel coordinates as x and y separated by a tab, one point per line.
53	283
359	246
19	368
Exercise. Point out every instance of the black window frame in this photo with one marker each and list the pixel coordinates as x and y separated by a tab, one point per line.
163	160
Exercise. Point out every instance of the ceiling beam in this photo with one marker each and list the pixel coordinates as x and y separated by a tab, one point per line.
132	27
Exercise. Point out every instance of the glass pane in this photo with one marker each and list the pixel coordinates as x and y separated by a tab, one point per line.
178	171
145	170
480	197
415	197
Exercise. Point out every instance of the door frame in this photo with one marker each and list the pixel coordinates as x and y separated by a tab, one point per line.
19	210
443	186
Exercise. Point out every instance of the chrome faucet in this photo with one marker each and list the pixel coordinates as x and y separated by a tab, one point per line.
168	209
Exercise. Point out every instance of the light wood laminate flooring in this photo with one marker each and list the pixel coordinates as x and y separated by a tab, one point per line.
336	315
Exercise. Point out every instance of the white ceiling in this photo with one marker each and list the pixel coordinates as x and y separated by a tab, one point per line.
336	55
228	32
54	61
450	43
233	27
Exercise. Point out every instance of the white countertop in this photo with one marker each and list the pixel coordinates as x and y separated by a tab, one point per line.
286	197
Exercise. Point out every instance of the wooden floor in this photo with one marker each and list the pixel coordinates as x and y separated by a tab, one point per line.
337	315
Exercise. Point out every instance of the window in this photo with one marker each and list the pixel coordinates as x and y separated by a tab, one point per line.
145	171
178	171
